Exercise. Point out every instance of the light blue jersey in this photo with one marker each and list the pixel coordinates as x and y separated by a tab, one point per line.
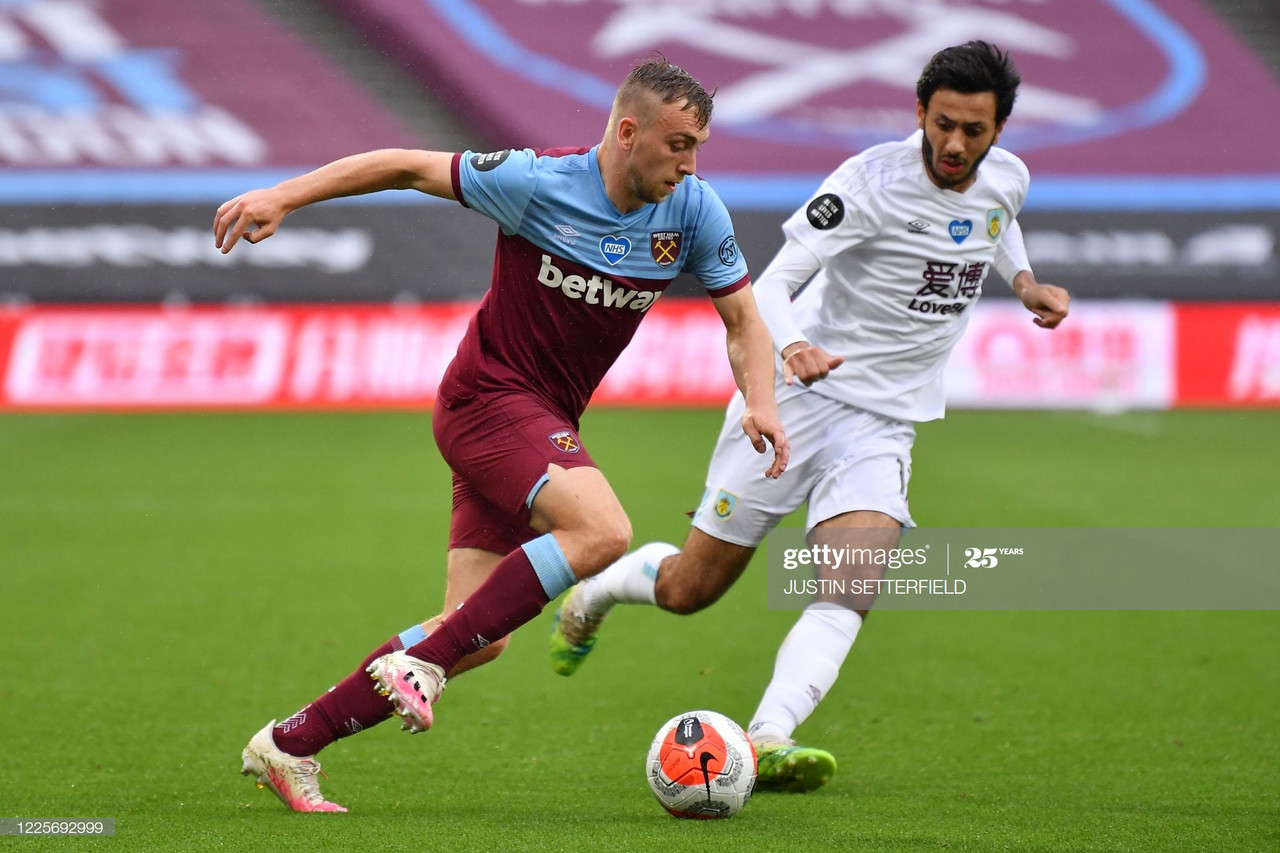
557	202
573	277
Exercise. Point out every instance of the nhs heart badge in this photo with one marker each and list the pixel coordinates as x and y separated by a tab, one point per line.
960	230
615	249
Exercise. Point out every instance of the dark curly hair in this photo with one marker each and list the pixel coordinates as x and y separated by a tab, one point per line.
971	68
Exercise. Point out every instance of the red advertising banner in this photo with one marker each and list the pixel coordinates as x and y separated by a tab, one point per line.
1109	356
310	357
1228	355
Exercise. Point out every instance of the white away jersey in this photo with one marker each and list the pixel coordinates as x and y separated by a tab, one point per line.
902	264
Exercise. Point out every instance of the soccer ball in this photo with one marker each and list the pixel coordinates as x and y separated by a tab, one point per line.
702	765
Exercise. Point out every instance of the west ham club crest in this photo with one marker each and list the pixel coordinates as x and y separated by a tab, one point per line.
665	247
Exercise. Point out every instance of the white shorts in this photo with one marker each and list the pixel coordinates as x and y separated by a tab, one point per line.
843	459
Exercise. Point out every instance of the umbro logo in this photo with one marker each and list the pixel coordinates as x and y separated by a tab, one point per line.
567	230
917	226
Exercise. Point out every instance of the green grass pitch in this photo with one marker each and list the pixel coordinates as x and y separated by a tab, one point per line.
171	582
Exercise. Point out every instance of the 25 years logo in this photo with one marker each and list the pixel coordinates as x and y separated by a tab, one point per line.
987	558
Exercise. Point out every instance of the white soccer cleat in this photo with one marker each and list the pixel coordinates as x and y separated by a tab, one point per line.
292	779
412	685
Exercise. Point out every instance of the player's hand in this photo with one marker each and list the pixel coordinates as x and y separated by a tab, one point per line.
255	216
764	427
807	363
1047	301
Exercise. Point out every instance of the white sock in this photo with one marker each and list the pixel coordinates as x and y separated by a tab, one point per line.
631	580
807	666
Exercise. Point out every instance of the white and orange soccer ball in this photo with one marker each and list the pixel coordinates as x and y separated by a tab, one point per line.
702	765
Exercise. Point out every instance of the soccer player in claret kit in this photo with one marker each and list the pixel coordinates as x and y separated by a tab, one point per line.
895	247
588	239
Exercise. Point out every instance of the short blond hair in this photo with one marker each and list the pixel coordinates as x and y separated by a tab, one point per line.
657	80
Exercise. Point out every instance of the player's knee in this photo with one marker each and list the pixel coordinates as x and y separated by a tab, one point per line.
611	540
596	543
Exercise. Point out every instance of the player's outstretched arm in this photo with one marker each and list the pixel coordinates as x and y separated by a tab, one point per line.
1047	301
751	357
257	214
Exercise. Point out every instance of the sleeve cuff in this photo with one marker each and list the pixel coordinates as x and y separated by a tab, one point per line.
731	288
455	175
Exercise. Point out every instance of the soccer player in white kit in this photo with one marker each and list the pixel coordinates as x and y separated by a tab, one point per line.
895	247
